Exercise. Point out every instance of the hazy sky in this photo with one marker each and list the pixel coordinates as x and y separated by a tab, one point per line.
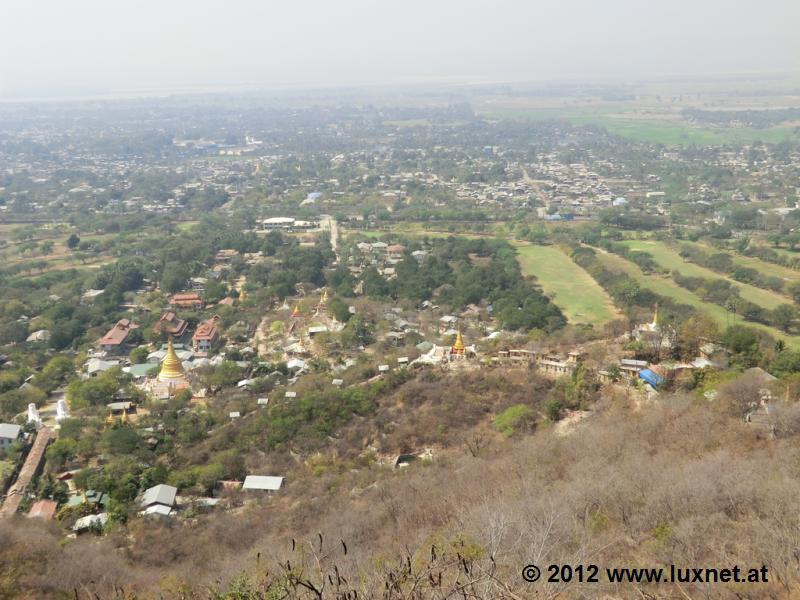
79	46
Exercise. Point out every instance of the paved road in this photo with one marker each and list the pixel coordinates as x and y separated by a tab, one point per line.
329	223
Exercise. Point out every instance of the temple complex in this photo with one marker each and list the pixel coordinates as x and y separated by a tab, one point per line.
171	376
457	355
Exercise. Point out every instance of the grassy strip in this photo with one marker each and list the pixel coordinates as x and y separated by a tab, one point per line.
670	259
579	296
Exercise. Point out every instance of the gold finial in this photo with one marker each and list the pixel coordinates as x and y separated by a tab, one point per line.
296	312
171	366
242	295
655	316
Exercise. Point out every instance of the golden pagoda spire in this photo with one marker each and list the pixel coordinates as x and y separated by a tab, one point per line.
242	295
296	314
171	366
458	345
655	316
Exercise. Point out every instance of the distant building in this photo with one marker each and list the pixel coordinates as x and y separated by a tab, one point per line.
262	483
114	341
96	366
43	509
187	300
225	255
90	522
170	324
9	434
159	499
205	336
278	223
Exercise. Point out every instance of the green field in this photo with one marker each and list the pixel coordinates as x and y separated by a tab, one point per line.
668	258
664	286
621	121
579	296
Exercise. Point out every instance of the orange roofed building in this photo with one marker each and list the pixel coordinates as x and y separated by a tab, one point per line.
207	333
114	340
187	300
170	324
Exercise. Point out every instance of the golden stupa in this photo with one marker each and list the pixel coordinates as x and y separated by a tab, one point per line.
171	367
242	295
296	314
458	345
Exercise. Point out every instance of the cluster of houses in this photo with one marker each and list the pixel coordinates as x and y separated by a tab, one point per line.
158	501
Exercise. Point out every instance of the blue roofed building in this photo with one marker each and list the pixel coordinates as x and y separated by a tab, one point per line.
651	377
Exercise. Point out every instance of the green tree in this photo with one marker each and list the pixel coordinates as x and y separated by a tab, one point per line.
138	355
61	451
356	333
339	309
783	316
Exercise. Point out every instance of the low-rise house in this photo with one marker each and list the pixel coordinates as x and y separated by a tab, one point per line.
96	366
265	483
114	342
207	333
187	300
518	355
117	409
555	367
629	368
225	255
90	522
43	509
9	433
90	497
395	251
295	364
159	499
170	324
447	323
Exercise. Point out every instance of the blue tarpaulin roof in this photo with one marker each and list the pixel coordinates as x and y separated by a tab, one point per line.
650	377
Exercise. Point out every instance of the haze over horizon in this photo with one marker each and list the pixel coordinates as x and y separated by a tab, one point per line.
89	46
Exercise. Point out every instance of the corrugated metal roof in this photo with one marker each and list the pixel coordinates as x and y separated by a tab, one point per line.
262	482
159	494
9	431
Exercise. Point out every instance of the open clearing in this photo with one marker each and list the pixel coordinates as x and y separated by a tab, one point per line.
571	288
664	286
670	259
